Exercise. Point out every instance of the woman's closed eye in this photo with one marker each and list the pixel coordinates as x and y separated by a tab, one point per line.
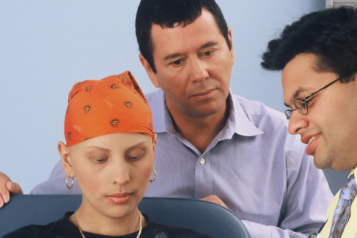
100	160
136	157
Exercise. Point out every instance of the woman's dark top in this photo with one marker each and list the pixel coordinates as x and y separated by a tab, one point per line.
64	228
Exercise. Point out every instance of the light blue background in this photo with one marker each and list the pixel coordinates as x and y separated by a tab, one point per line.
47	46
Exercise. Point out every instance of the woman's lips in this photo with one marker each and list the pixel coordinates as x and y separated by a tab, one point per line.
119	198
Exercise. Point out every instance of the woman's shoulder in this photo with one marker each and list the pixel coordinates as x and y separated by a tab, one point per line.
34	231
163	231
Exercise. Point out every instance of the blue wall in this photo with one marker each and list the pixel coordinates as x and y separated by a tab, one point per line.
47	46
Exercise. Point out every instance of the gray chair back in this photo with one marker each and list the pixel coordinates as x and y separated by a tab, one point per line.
197	215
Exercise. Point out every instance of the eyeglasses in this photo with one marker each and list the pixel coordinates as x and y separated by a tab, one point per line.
301	104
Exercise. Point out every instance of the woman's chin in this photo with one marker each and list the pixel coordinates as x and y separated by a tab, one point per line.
121	211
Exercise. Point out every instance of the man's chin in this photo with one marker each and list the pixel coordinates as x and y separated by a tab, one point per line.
321	162
203	112
319	166
206	109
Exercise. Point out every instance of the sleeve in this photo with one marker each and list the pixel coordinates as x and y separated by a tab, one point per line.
306	200
24	232
262	231
56	183
19	234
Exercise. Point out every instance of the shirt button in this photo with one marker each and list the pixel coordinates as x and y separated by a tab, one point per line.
202	161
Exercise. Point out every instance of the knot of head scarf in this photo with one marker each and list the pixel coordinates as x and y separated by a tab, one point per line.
114	104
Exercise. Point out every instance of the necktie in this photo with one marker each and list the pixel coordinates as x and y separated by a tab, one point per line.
343	209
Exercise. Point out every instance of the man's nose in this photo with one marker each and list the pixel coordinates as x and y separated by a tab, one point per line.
198	70
297	122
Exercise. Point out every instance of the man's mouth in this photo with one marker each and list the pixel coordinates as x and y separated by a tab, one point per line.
204	93
311	139
311	144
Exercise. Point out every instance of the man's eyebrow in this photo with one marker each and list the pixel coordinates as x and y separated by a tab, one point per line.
297	92
175	55
208	44
98	147
295	95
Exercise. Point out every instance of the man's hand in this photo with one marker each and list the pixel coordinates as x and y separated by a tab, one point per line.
7	186
214	199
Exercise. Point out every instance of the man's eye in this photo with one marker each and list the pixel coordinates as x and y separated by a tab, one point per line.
177	62
308	101
207	53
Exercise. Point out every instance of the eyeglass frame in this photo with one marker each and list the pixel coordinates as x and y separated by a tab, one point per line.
306	101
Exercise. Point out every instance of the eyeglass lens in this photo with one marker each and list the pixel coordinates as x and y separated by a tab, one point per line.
301	106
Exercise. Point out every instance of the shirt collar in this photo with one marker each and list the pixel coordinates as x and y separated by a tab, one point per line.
160	112
352	172
237	122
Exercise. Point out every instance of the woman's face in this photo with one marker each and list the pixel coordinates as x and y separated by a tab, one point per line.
113	171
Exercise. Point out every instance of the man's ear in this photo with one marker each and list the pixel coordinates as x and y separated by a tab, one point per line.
354	81
230	38
65	159
149	71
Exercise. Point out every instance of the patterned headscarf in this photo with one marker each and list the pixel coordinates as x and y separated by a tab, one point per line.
114	104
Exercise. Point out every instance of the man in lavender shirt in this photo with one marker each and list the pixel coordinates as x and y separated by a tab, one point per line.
213	145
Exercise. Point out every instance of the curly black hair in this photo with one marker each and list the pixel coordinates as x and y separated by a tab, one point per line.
330	34
167	13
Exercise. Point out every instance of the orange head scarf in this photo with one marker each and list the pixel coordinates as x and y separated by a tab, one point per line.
114	104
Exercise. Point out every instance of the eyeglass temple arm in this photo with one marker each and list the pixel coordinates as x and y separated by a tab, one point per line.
306	98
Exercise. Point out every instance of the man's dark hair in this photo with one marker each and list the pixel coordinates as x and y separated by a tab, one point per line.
331	35
168	13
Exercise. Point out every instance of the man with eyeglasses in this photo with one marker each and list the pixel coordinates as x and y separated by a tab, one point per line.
318	58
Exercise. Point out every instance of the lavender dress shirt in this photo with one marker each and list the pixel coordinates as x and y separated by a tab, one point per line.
258	170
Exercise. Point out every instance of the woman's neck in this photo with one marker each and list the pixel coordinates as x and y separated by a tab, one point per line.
91	220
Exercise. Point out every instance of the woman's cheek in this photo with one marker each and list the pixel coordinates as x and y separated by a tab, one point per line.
88	179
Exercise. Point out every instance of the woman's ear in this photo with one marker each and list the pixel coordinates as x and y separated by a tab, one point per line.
154	142
65	159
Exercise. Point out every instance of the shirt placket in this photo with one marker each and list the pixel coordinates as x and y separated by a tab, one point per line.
203	176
